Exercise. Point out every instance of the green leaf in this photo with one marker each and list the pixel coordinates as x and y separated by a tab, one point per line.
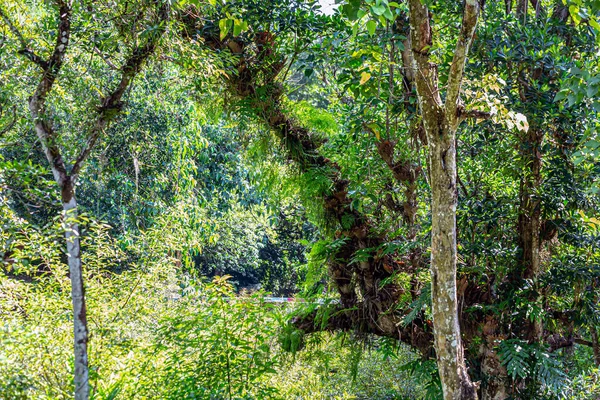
239	26
388	14
378	9
350	10
224	26
371	26
574	11
560	95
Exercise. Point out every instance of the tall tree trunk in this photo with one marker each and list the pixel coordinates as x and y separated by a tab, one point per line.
440	121
80	328
448	344
495	385
595	345
530	219
496	382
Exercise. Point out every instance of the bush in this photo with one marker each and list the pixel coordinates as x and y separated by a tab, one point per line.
216	346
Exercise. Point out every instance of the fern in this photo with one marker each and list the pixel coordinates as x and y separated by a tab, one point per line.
361	255
356	353
417	306
388	347
548	370
532	362
514	355
425	371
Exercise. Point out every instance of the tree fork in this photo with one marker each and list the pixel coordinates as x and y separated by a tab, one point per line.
440	121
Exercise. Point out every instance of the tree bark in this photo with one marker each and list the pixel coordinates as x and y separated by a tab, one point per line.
440	122
66	184
80	328
530	219
495	386
595	345
495	382
368	296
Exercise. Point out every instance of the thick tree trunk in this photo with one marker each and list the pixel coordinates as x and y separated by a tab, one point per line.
80	328
495	382
368	297
448	344
495	385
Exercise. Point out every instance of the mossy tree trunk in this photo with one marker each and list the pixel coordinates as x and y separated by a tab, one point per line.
440	121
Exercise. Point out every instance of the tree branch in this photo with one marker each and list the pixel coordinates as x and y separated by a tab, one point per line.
9	126
112	103
557	341
25	50
463	114
37	102
457	69
421	41
106	60
335	317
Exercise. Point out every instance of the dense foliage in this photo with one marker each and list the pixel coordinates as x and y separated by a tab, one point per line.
184	161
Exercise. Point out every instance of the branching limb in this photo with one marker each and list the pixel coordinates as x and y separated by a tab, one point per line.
9	126
106	59
557	341
25	50
37	102
335	317
471	114
112	103
459	59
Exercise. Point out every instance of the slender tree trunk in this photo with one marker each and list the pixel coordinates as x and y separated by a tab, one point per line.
508	6
82	387
111	105
440	121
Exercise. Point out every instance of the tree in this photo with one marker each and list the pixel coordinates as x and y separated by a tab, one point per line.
360	117
440	120
368	258
64	174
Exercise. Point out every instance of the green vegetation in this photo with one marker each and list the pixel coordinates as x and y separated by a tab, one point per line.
423	177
